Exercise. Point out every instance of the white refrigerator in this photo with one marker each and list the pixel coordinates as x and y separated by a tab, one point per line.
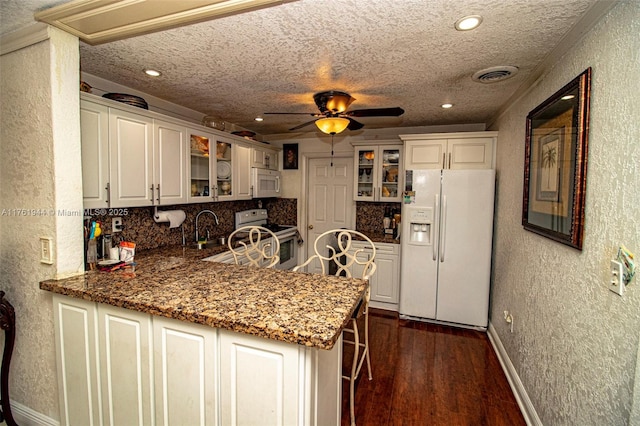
447	229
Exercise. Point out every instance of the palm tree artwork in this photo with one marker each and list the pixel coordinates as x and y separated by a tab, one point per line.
549	178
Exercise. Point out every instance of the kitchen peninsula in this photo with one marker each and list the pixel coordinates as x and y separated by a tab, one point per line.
185	341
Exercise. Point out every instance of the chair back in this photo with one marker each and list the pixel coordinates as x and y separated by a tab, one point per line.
332	249
254	246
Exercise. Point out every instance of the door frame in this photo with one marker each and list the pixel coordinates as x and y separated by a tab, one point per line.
302	205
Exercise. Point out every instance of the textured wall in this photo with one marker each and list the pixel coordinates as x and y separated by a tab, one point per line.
35	143
575	343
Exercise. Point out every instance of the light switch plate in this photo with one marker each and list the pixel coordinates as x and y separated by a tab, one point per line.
617	283
46	250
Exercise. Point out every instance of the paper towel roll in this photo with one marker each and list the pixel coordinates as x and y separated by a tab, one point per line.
174	217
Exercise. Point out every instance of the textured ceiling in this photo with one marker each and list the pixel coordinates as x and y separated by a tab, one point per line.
384	53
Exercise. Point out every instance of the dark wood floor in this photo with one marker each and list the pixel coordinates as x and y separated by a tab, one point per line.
426	374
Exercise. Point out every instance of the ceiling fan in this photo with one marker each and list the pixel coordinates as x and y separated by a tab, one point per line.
334	118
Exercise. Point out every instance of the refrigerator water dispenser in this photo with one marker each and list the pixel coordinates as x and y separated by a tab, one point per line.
420	225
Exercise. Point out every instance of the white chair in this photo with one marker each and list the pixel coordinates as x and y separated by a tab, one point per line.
334	254
254	246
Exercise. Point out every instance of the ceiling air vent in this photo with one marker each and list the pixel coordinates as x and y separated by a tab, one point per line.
494	74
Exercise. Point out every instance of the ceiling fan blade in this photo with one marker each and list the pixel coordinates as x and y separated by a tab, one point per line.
302	125
354	125
312	114
375	112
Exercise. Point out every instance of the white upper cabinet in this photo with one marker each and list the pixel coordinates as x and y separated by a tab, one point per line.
378	173
134	158
94	120
264	158
169	165
242	173
473	150
131	159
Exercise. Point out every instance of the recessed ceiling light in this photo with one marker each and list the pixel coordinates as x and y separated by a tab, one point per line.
152	73
445	106
259	119
468	22
567	97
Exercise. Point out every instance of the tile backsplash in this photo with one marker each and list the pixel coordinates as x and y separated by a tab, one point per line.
139	226
369	216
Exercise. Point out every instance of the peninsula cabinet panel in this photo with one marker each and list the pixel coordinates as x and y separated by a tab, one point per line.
78	384
131	159
94	131
126	366
185	373
122	367
259	381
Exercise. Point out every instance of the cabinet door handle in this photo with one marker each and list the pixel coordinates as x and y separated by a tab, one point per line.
158	194
151	189
449	160
214	195
443	159
108	188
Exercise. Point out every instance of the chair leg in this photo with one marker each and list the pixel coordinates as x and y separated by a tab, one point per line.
354	368
366	342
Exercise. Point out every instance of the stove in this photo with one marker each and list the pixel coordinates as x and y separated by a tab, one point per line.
286	234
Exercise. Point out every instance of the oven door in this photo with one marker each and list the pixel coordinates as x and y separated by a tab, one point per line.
288	252
266	183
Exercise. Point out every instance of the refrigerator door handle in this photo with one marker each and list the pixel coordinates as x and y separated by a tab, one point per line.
443	227
436	209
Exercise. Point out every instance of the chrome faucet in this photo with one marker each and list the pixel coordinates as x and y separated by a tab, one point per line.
198	216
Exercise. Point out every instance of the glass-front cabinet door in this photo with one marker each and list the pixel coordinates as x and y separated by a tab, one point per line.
365	185
201	168
390	173
224	170
378	173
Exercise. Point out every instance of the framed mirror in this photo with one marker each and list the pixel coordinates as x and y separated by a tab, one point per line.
555	168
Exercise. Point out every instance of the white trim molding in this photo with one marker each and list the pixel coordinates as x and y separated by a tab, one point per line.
526	406
24	37
26	416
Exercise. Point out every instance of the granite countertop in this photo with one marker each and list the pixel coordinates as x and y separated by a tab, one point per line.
379	237
293	307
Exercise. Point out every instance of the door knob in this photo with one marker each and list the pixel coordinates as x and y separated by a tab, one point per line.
310	226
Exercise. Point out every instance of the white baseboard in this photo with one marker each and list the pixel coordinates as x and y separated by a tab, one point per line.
25	416
526	407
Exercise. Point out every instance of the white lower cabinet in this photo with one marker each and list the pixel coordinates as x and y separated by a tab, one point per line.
78	376
258	381
185	373
126	366
385	283
123	367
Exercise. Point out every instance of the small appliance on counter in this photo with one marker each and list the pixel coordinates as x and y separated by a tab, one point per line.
391	222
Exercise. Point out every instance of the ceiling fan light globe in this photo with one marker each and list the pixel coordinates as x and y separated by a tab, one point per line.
332	125
339	103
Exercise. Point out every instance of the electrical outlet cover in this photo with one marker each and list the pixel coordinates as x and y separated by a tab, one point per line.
615	274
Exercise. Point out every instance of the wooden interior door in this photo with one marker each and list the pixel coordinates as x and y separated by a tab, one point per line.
330	202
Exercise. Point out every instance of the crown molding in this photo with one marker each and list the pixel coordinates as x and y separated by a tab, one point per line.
102	21
24	37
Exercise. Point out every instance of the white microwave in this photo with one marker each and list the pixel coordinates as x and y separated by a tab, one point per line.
266	183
